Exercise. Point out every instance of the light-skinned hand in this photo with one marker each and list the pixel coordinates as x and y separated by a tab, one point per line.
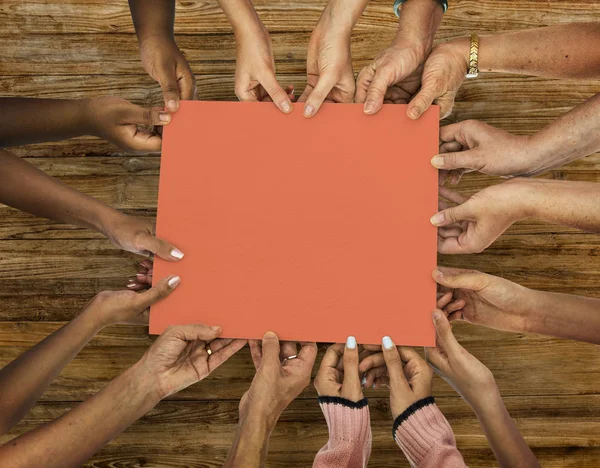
476	146
344	383
277	381
164	62
126	125
179	357
475	222
129	307
468	376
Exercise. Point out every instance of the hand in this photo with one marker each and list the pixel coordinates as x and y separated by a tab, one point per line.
486	300
443	74
394	76
469	377
255	70
128	307
143	278
179	357
476	146
344	383
477	221
164	62
138	236
276	383
119	121
329	73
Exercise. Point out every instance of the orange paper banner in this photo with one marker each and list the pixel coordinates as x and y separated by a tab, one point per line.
316	229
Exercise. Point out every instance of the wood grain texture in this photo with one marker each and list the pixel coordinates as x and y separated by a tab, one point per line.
49	271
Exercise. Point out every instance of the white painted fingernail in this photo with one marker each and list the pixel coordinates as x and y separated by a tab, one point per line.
132	285
387	342
174	281
373	386
351	342
363	382
176	253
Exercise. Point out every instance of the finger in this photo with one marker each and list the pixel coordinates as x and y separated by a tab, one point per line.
452	195
420	380
372	375
451	215
351	388
383	381
444	334
308	354
146	264
223	353
288	349
444	300
276	92
362	83
447	233
451	147
256	352
187	84
454	306
318	94
150	117
157	292
430	90
194	332
394	364
472	280
167	78
470	159
377	89
270	349
160	247
332	356
371	362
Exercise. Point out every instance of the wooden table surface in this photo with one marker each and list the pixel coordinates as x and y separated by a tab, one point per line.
48	271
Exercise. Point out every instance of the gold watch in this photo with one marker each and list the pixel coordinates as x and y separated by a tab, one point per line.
473	70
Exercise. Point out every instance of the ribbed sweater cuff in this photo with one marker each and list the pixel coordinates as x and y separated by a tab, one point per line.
347	420
421	428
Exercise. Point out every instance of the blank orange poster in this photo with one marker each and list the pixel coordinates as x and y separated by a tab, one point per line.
314	228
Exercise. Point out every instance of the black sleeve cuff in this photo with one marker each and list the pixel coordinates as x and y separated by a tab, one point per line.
408	412
343	402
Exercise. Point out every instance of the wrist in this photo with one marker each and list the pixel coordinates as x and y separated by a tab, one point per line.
339	18
418	23
145	384
265	417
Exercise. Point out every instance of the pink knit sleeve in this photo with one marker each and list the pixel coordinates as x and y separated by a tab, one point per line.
349	425
426	438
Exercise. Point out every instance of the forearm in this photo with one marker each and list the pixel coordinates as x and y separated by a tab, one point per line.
25	379
242	16
565	316
26	188
25	121
74	437
573	204
562	51
504	437
342	15
570	137
153	18
251	443
419	21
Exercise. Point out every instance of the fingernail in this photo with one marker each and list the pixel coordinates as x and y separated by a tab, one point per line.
270	334
413	113
176	253
363	382
351	342
164	116
286	107
438	219
132	285
174	281
309	111
387	342
438	161
369	105
140	275
217	329
172	105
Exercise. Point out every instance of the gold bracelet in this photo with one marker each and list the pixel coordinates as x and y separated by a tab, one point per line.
473	70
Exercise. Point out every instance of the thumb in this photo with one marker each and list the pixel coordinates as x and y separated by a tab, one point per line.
151	117
276	92
471	279
319	94
450	215
157	292
430	90
469	159
270	349
160	247
443	329
382	79
167	78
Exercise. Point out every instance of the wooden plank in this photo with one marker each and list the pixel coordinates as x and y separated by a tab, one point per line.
196	17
